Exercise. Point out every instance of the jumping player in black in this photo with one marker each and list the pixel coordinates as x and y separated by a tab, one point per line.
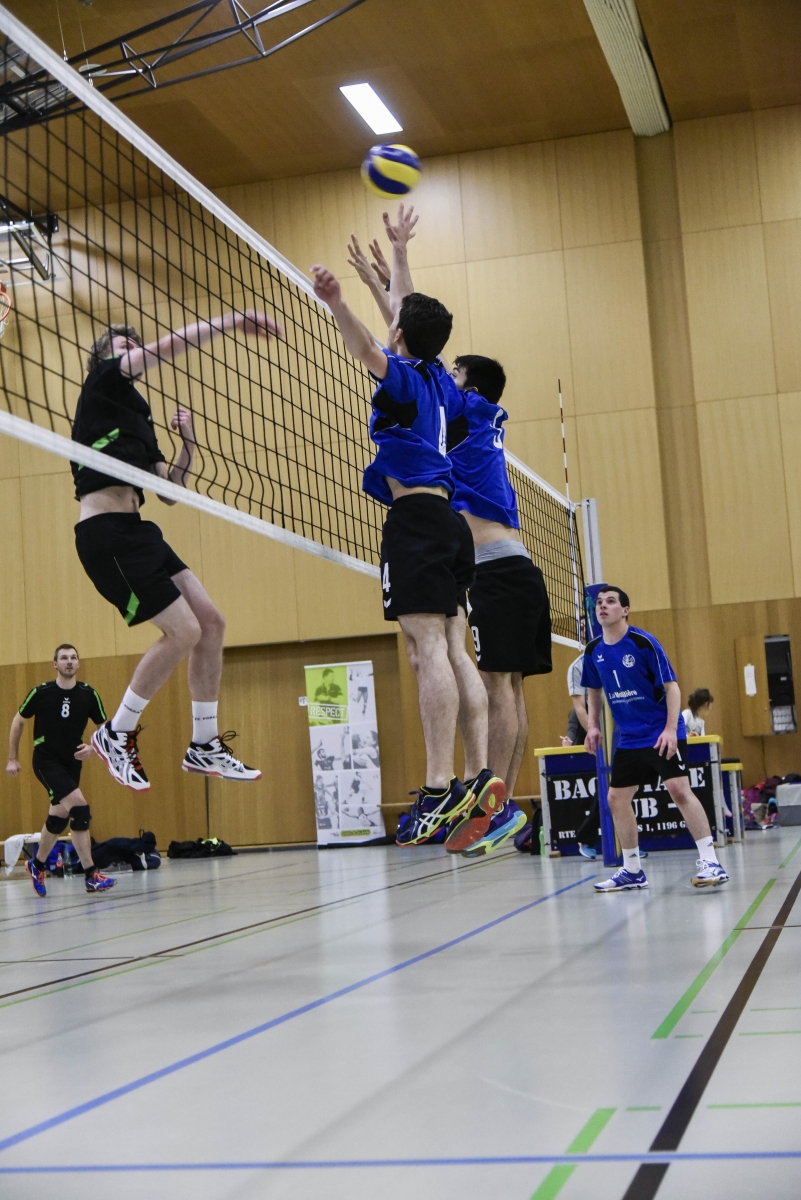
128	560
60	709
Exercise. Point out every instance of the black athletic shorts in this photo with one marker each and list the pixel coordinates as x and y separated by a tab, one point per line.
510	616
632	768
59	777
129	563
427	557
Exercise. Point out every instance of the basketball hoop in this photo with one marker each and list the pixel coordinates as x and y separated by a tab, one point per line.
5	307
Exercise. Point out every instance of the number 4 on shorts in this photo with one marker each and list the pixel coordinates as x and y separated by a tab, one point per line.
385	578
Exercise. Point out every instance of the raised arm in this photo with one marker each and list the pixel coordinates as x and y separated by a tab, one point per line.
140	358
400	234
356	336
17	725
358	259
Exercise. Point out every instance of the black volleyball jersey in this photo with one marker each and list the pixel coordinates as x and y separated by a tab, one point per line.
60	716
113	417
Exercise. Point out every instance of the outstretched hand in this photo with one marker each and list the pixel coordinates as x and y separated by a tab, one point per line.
380	265
182	423
402	231
358	259
253	321
326	285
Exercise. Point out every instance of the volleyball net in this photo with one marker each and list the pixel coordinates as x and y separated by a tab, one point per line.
99	226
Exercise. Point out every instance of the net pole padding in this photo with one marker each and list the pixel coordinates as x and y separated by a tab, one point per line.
55	443
75	83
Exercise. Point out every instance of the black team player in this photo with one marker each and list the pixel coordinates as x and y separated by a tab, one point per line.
128	560
427	550
60	709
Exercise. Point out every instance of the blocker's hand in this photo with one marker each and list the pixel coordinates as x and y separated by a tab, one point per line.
402	231
182	423
593	739
358	259
380	266
83	752
253	321
13	767
326	285
666	743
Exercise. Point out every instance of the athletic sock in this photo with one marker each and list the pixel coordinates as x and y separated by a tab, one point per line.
631	861
40	866
89	871
706	850
126	718
204	721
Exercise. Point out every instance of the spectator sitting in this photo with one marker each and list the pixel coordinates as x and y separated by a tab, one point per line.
699	704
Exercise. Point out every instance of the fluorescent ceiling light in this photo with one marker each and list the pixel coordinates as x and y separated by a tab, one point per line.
371	108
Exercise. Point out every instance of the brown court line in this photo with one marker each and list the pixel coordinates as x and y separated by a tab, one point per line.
172	950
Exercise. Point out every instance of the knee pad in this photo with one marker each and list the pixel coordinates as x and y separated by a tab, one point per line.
80	816
56	824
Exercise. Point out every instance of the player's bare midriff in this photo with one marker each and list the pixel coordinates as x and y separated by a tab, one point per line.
118	499
484	531
399	490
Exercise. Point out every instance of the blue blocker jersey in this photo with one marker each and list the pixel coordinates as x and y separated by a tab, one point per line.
475	447
412	406
633	673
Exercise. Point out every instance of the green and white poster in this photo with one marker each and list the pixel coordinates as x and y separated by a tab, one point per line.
346	766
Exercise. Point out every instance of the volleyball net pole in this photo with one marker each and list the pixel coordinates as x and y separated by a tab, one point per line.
99	226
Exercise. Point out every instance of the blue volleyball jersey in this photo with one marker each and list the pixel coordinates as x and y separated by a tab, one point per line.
475	447
412	406
633	673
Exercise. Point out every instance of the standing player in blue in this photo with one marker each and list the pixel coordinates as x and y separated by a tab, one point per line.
427	557
633	670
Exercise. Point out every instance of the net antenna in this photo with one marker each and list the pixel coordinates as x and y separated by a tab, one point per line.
124	235
573	541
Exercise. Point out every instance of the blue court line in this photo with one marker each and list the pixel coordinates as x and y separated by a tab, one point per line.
33	1130
356	1163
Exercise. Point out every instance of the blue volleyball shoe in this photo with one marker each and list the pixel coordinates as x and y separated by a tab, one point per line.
622	881
431	813
504	825
96	882
37	878
709	875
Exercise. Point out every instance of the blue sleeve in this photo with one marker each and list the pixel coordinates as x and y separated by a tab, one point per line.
401	383
589	674
455	400
664	670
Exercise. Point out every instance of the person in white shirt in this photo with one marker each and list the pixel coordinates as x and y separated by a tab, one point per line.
698	706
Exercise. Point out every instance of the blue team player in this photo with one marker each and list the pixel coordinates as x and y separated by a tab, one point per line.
427	556
640	685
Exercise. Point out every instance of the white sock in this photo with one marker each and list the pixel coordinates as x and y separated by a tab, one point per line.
631	860
126	718
204	720
706	850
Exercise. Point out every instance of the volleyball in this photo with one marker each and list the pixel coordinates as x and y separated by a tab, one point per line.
391	170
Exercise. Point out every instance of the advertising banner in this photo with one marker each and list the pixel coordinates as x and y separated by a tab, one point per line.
343	732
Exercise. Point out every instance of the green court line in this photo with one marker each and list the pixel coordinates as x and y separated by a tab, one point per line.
688	1035
769	1032
644	1108
704	1010
679	1009
761	1104
790	855
788	1008
557	1177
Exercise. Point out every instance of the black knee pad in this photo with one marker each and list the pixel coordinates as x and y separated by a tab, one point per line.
80	816
56	824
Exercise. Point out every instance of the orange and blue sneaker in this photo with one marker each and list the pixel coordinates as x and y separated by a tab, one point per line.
37	877
506	823
432	811
96	882
486	795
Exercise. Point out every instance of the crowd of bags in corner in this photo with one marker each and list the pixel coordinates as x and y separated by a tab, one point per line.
760	810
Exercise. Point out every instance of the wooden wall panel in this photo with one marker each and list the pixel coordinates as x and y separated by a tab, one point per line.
9	458
14	642
510	201
717	172
727	297
778	144
746	513
251	579
315	215
336	603
254	203
598	189
685	522
790	436
518	314
783	257
619	457
609	336
539	444
449	284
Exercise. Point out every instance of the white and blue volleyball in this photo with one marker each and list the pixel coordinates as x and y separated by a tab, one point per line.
391	170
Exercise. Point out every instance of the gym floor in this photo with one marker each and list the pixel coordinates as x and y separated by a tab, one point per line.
379	1021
